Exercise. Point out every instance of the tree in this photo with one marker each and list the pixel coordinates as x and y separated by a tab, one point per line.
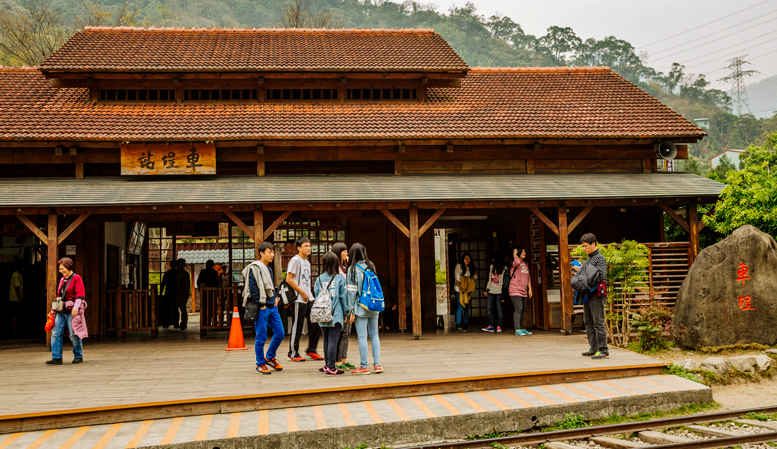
725	166
675	76
503	27
32	33
299	14
559	41
94	14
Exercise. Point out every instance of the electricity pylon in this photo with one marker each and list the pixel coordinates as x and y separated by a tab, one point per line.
737	79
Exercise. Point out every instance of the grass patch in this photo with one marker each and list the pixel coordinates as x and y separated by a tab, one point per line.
760	416
493	434
731	348
570	421
682	411
684	373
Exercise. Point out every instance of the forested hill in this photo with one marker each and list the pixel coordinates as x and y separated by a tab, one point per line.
481	41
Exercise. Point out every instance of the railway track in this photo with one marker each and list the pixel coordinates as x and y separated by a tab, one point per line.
692	432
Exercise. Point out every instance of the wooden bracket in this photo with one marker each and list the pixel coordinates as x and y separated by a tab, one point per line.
430	222
392	218
240	224
578	219
35	230
275	224
545	220
676	217
709	213
72	227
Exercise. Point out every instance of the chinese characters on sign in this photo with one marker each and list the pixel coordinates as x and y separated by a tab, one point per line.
168	159
745	302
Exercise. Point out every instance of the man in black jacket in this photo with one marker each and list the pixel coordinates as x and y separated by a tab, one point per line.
594	308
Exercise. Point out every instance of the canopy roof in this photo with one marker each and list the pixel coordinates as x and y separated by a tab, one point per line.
128	49
127	191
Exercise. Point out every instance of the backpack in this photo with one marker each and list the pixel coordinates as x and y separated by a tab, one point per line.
321	311
372	295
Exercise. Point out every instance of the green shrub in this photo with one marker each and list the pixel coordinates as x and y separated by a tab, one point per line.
571	421
440	277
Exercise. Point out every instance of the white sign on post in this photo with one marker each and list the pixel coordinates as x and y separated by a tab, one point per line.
70	250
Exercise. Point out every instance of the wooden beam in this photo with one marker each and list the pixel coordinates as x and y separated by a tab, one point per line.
258	231
392	218
72	227
79	170
709	213
545	219
35	230
278	221
565	269
579	218
260	168
51	268
240	224
693	222
430	222
530	166
401	285
398	168
415	273
676	217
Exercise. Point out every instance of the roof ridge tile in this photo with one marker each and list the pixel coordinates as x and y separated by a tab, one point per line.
540	69
14	68
263	30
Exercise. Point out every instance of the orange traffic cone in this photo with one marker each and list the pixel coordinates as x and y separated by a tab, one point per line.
236	342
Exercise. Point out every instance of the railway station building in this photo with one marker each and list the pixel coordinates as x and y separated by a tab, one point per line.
130	147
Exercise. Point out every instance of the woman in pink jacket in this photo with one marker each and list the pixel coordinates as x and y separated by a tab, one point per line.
71	290
520	288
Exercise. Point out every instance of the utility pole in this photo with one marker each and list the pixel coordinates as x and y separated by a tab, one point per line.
737	80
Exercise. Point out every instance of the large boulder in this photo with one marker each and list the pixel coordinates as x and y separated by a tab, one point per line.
744	363
714	308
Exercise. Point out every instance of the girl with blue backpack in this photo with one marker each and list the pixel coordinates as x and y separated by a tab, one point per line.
331	280
365	300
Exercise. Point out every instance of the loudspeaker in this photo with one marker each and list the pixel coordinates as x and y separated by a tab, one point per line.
666	150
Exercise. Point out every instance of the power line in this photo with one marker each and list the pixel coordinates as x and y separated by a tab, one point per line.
754	57
730	46
737	79
705	24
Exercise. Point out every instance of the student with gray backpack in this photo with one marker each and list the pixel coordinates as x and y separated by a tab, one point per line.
365	300
330	310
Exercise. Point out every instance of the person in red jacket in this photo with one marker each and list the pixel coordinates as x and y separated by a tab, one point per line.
71	290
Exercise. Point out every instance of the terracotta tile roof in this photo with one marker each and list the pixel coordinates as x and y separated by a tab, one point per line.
491	103
238	50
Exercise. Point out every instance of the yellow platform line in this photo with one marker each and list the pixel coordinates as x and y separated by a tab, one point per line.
373	413
515	397
638	386
264	422
560	394
580	392
76	436
398	410
631	393
139	434
11	438
346	415
202	431
593	387
42	439
108	436
423	407
320	419
470	402
291	418
538	396
447	404
234	425
494	400
657	384
172	431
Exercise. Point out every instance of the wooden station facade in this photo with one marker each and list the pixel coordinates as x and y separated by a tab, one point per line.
381	135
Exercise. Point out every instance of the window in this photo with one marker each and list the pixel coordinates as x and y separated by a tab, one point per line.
160	252
219	94
382	94
142	95
283	95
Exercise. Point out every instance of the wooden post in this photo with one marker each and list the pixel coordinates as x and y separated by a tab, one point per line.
401	287
154	324
565	269
79	170
693	224
117	308
258	231
51	267
415	273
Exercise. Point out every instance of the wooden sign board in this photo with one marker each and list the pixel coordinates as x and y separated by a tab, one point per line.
172	159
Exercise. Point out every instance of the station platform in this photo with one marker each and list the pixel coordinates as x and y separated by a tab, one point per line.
182	376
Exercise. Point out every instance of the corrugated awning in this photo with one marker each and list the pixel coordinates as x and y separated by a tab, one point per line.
121	191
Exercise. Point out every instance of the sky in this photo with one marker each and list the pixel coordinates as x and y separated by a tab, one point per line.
700	34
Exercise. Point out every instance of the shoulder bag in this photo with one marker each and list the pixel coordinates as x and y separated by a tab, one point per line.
58	304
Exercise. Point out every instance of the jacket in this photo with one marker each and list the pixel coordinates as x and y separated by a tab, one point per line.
354	284
262	287
458	273
337	291
586	278
466	287
79	322
75	293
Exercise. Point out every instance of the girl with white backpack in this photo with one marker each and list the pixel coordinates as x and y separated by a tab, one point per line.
331	301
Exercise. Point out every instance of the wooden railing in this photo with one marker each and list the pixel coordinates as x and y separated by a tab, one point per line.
216	305
132	311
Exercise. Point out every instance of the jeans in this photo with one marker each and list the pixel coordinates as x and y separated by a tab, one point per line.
331	340
273	318
519	302
365	326
593	318
56	337
495	310
462	312
342	345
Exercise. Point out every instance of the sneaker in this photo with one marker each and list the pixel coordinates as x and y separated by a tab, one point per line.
467	329
54	362
378	369
488	329
297	359
582	329
459	328
78	360
322	369
588	353
361	370
342	367
262	369
525	332
314	356
499	329
273	362
518	333
334	372
349	366
601	355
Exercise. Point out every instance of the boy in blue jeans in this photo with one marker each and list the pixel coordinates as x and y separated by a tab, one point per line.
262	291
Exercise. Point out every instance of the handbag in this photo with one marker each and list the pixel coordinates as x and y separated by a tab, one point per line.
251	311
287	294
58	304
50	320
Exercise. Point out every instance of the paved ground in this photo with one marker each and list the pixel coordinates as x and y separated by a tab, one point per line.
415	417
180	366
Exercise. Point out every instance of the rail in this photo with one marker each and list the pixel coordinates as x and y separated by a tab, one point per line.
132	311
216	304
